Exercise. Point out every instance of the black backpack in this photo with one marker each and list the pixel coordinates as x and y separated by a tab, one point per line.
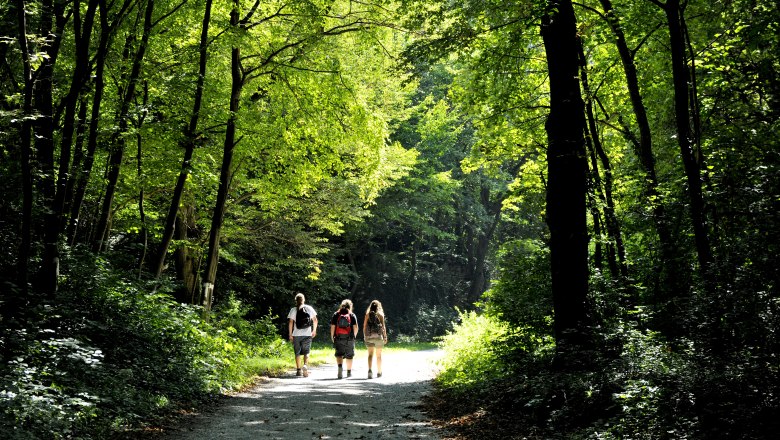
373	327
303	318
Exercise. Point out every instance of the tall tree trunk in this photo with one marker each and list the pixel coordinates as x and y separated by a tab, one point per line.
118	142
210	273
644	151
82	36
144	235
26	166
190	136
603	188
567	176
84	172
52	21
685	136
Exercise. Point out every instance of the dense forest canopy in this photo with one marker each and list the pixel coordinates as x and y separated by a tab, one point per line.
597	181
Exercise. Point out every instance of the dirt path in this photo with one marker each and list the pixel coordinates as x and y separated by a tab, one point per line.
324	407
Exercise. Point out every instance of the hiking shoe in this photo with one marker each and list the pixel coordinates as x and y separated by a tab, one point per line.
370	374
349	373
341	373
298	372
305	371
378	375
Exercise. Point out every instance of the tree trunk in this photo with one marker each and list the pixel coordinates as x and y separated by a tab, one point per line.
186	266
52	22
26	147
482	246
117	139
84	173
190	136
567	176
685	136
644	151
603	188
210	273
83	36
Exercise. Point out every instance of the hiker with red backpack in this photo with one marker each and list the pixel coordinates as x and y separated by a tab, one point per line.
302	328
375	335
343	330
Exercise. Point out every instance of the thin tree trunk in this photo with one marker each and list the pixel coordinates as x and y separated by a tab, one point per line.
190	137
644	148
106	31
26	166
210	272
685	136
118	142
603	188
83	36
567	176
144	239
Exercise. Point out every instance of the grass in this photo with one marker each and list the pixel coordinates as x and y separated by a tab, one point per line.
321	353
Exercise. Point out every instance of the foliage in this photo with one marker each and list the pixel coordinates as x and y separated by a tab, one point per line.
112	355
471	351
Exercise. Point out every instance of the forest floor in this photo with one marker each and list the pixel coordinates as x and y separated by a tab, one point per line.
324	407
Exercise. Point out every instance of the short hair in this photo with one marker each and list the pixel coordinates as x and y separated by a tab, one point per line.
299	299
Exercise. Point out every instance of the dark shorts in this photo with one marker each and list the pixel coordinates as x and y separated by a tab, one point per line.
302	345
345	347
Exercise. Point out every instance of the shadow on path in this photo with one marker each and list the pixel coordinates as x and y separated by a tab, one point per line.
324	407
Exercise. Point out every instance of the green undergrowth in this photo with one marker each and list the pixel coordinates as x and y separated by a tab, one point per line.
632	384
108	356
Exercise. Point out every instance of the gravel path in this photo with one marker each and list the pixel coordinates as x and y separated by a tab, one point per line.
324	407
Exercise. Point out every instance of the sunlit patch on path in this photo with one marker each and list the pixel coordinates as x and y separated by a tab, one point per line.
322	406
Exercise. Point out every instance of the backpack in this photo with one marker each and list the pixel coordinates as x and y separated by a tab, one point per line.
303	318
374	326
344	324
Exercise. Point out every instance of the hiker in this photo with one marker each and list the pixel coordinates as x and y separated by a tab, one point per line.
302	328
343	330
374	335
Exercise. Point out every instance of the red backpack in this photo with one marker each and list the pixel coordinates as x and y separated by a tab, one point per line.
344	324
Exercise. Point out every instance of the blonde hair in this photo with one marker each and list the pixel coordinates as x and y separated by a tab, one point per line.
375	307
346	305
299	299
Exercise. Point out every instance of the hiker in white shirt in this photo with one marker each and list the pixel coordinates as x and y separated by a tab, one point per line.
302	328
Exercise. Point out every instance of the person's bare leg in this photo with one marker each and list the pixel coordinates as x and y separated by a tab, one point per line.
370	357
298	362
379	360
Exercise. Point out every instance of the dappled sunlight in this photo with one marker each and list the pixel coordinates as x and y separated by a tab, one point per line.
322	406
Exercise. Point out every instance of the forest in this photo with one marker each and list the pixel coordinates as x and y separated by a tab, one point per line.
579	201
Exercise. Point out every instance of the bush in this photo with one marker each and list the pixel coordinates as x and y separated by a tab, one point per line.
110	355
471	351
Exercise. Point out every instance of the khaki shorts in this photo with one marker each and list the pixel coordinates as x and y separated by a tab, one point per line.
375	342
